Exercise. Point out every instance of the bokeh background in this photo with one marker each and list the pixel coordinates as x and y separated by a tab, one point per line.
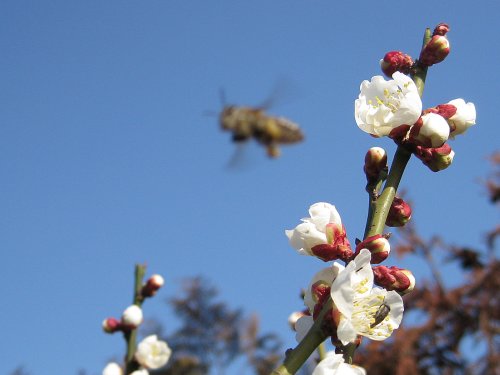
107	156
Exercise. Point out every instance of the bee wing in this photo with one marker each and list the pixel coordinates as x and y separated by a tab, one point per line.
282	92
239	158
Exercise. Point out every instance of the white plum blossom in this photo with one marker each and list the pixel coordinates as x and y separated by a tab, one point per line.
312	230
322	234
333	364
112	368
141	371
385	105
302	326
463	118
364	310
152	353
132	316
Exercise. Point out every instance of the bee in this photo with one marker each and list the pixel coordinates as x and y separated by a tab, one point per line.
382	312
246	123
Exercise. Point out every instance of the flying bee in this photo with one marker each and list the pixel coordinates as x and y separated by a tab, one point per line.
252	122
382	312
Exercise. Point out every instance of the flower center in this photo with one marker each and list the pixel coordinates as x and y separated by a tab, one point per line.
391	100
371	316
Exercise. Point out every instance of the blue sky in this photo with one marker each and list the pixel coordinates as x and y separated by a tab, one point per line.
107	158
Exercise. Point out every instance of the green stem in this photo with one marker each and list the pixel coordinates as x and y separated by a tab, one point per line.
295	358
383	203
131	336
420	72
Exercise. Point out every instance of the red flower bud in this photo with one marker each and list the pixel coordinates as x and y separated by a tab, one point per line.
436	159
378	246
394	278
375	164
435	50
111	325
152	285
399	213
396	61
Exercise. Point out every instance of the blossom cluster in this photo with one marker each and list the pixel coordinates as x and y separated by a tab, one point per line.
151	353
393	108
355	296
360	308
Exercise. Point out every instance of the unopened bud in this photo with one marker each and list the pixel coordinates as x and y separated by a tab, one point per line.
378	246
431	130
111	325
394	278
375	164
436	159
396	61
132	317
399	213
112	368
435	50
294	317
152	285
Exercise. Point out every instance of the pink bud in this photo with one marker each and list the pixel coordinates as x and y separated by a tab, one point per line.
378	246
152	285
435	50
436	159
396	61
394	278
111	325
399	213
375	164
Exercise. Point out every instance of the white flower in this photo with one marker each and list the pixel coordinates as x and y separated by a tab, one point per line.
384	105
463	118
112	368
141	371
313	230
302	326
132	316
434	131
152	353
364	310
333	364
